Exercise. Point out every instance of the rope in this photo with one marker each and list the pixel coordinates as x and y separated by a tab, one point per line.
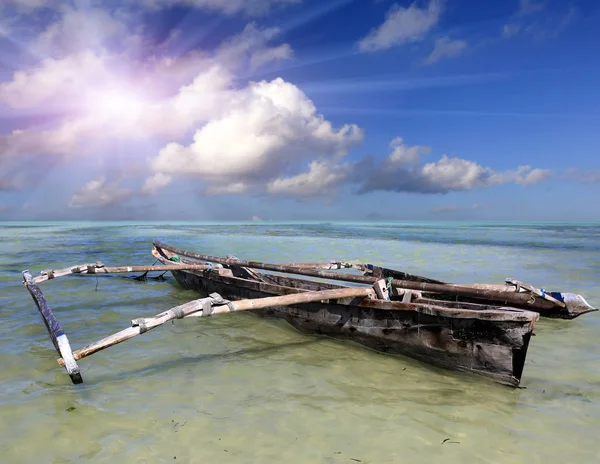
142	277
141	323
178	313
207	307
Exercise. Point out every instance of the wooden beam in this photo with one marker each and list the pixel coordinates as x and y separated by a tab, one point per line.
522	299
54	273
57	335
215	305
99	268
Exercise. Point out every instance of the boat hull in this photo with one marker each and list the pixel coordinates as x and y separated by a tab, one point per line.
491	348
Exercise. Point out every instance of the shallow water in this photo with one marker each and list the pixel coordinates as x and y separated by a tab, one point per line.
237	388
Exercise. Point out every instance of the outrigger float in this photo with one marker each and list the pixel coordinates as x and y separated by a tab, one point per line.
482	329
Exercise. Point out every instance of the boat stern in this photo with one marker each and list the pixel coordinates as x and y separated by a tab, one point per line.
576	305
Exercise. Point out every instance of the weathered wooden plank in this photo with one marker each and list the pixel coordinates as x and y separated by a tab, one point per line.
210	306
54	273
164	267
287	285
514	298
57	335
99	268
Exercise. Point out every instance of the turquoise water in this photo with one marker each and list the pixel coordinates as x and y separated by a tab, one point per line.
236	388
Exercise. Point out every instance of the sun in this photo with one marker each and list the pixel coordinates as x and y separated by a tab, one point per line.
118	104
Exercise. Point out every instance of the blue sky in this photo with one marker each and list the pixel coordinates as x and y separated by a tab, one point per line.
300	110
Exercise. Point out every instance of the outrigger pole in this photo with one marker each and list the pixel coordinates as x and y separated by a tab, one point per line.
57	335
203	307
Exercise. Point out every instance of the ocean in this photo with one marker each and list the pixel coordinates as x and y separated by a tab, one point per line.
236	388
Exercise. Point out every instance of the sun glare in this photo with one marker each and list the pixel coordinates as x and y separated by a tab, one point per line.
117	104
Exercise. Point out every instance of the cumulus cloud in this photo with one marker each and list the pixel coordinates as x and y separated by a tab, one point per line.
98	193
526	175
156	182
445	48
254	134
442	176
55	81
97	102
402	25
406	154
323	178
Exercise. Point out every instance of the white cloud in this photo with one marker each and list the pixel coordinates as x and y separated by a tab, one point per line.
442	176
527	176
98	193
405	154
254	134
89	29
323	178
262	57
156	182
532	19
95	101
402	25
55	81
446	48
250	7
249	50
450	174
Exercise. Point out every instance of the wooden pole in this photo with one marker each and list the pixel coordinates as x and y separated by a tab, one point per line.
164	267
327	266
521	299
52	273
215	305
57	335
99	268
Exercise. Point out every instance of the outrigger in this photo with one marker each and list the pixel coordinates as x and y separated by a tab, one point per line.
480	329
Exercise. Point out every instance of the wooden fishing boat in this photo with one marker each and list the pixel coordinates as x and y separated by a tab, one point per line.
488	340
